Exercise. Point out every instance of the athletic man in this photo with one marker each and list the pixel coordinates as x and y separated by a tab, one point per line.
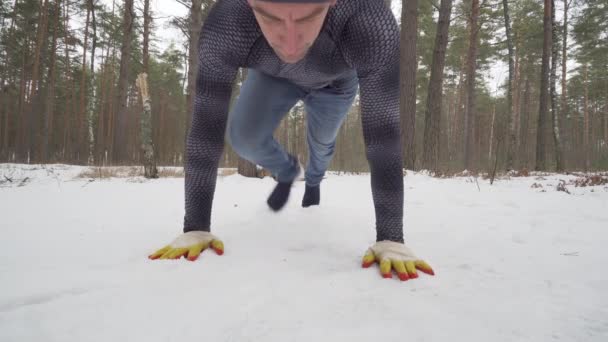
316	51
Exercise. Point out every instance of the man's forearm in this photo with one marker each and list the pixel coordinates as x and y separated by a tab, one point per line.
387	190
204	148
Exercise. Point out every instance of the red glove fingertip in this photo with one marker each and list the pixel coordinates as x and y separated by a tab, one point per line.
403	277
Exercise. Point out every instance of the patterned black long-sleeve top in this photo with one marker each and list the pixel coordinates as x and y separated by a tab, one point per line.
357	34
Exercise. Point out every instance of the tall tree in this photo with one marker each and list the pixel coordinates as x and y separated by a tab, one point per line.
123	82
564	101
32	99
147	143
93	5
470	114
586	119
82	113
47	131
146	48
559	161
510	106
541	134
435	97
409	64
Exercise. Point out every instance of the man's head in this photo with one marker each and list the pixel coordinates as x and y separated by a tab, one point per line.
291	26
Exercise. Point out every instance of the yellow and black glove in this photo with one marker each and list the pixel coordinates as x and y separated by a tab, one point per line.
189	245
395	256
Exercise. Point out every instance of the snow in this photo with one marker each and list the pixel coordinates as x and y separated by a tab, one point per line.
512	262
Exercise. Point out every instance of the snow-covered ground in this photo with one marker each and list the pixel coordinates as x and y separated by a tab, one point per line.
513	262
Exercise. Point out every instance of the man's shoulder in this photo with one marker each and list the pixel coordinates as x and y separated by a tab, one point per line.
231	17
358	16
229	31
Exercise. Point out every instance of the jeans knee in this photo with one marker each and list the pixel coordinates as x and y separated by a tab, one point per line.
243	141
322	150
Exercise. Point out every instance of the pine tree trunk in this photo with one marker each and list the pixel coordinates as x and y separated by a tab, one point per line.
47	132
541	133
34	91
120	136
470	113
67	115
147	146
6	91
511	116
559	161
586	146
525	124
21	119
111	112
108	151
91	93
101	118
460	110
606	118
82	113
40	37
5	141
516	106
492	127
435	93
564	102
94	43
147	20
409	24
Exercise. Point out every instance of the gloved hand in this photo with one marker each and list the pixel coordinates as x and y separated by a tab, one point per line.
189	245
395	255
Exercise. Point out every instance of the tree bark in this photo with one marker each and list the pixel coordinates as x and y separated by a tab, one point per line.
147	21
470	113
69	98
409	27
564	102
147	146
147	142
34	90
516	90
586	146
101	118
525	123
123	84
47	132
460	109
109	146
435	92
541	134
40	37
82	116
559	161
94	43
511	115
492	127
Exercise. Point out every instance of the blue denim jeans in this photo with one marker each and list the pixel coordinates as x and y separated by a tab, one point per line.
264	100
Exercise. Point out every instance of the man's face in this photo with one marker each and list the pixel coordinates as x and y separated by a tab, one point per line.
290	28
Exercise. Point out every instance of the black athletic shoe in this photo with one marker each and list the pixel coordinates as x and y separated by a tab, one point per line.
279	196
312	196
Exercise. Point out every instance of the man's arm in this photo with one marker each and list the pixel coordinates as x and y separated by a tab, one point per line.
205	141
372	41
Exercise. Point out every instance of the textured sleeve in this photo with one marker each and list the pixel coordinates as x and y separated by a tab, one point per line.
372	46
205	140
